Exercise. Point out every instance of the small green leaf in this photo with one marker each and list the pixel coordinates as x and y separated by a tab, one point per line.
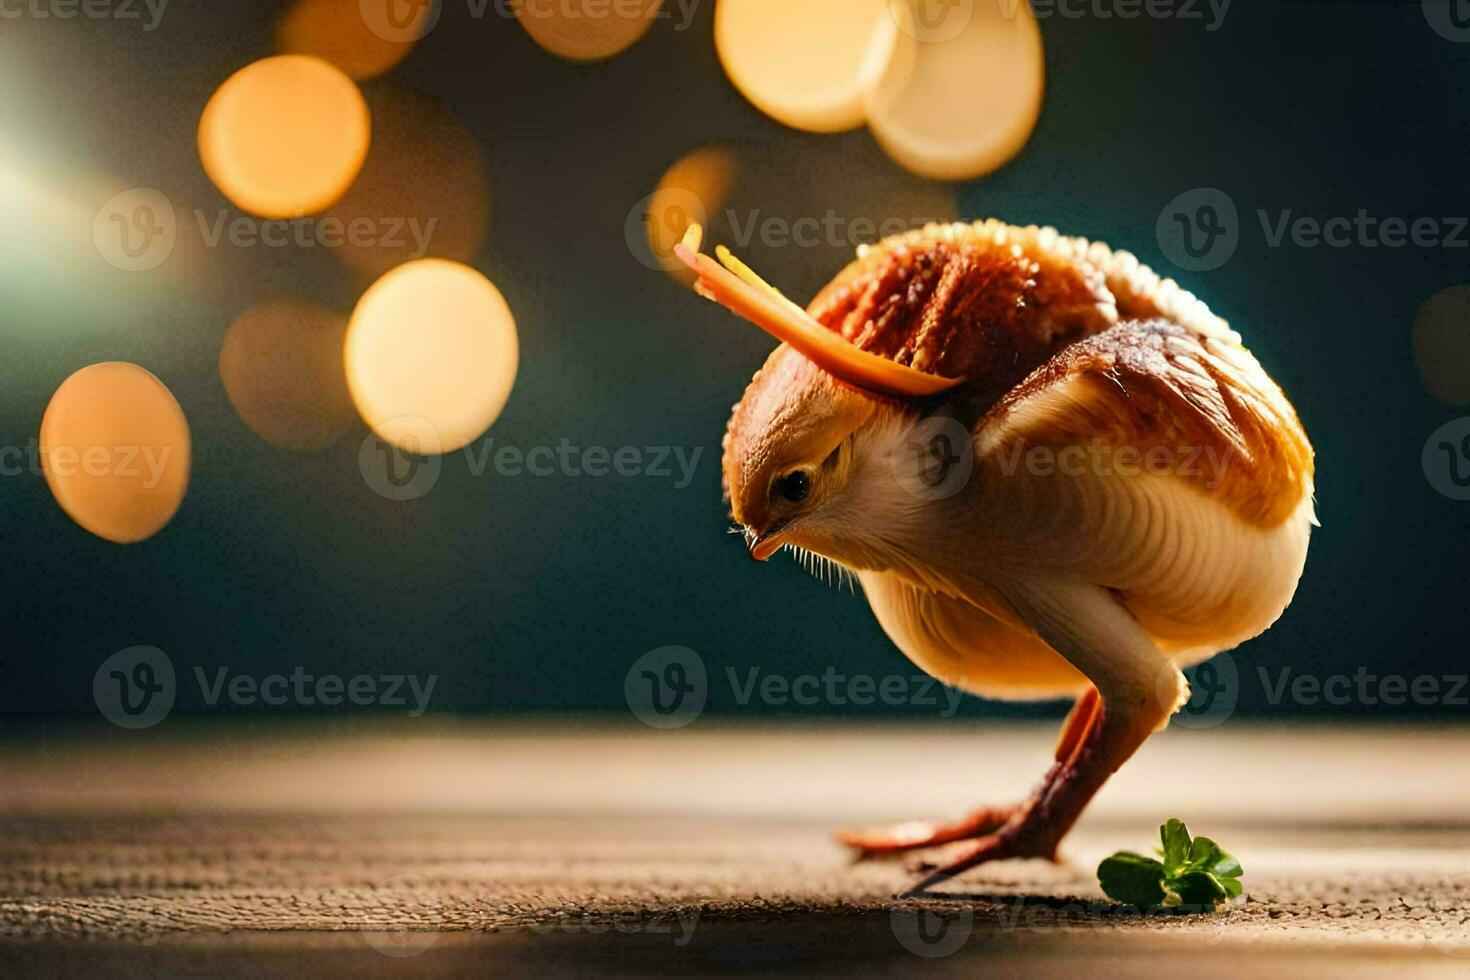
1132	879
1204	854
1195	873
1226	867
1175	837
1198	888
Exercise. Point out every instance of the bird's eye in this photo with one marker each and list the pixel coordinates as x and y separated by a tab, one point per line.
795	486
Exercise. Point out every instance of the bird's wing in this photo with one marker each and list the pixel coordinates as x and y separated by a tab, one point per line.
990	302
1181	403
1160	466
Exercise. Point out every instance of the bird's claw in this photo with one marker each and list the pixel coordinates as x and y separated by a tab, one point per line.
918	834
1011	842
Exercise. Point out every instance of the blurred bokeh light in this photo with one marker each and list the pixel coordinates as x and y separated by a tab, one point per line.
432	342
586	30
692	190
799	61
799	210
424	191
337	31
533	179
285	136
1442	345
955	98
115	449
281	365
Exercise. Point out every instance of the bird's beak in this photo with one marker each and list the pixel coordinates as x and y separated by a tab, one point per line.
763	546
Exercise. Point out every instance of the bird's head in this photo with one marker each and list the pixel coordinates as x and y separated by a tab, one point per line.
803	447
939	321
792	454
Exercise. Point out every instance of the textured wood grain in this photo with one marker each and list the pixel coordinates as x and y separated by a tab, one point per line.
554	848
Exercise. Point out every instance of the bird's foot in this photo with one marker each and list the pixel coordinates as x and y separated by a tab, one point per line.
1024	837
916	834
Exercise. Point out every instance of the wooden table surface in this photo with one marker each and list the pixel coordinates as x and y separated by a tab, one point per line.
373	847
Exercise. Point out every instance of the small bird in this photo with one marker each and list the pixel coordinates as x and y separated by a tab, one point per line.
1053	473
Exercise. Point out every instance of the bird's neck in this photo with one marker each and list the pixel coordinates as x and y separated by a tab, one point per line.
910	510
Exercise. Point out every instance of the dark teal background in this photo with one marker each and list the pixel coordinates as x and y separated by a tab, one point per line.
528	594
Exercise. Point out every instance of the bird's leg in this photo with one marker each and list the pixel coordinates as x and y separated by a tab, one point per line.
1074	730
1038	826
1138	691
916	834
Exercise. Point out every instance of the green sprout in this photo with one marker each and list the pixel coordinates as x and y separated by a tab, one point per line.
1194	873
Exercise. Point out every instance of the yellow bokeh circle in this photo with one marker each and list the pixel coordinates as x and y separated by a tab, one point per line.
586	30
285	136
693	190
799	61
364	38
115	450
959	99
281	366
434	342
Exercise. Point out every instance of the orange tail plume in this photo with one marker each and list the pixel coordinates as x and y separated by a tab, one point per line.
745	294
